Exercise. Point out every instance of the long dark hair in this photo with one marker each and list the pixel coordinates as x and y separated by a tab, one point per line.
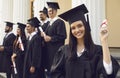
88	42
23	38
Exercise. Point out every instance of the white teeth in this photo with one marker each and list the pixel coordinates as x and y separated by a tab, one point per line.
79	33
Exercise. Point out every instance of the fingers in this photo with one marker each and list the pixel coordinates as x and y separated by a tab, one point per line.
32	69
104	27
47	38
104	23
13	57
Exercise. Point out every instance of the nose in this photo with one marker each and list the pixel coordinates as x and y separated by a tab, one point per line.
76	29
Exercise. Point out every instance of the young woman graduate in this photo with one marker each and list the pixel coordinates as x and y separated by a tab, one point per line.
81	58
19	50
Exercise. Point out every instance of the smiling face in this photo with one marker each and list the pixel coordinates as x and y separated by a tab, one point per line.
78	29
42	16
52	12
30	28
18	31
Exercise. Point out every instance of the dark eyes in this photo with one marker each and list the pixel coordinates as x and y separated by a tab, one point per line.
72	28
50	11
78	26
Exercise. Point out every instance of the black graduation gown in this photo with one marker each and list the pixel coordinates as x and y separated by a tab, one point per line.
33	58
82	67
19	60
5	56
57	32
44	27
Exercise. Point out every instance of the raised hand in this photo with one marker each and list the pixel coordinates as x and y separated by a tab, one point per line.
104	31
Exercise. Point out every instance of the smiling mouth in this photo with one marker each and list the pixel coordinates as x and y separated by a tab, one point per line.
79	33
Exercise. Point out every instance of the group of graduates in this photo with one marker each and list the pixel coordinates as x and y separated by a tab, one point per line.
42	53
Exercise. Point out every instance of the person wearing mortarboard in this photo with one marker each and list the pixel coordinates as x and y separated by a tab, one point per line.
44	24
55	33
44	18
32	63
81	58
6	50
19	47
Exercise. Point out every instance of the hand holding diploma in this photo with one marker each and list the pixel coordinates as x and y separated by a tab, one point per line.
104	30
46	37
42	32
21	44
14	65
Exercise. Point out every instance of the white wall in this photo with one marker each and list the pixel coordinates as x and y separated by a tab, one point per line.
6	14
38	5
13	11
1	22
21	12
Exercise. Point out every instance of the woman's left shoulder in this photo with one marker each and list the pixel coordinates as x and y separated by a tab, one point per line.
98	49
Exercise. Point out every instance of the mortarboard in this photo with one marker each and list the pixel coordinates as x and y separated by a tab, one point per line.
21	25
34	22
9	24
45	11
53	5
76	14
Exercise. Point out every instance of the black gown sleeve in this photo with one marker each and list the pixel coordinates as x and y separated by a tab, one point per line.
60	32
8	48
36	52
57	69
101	70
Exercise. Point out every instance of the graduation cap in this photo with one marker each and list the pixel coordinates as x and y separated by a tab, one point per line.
34	22
45	11
21	25
9	24
76	14
53	5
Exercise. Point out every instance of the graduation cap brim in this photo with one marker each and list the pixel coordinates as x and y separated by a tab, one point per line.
53	5
9	24
34	22
75	14
21	25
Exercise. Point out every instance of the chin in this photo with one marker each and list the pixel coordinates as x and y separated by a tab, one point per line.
6	31
79	37
28	32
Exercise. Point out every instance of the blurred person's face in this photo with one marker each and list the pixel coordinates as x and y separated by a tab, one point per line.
7	29
29	28
42	16
18	31
52	12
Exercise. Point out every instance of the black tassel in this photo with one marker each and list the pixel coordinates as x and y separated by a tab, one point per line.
88	24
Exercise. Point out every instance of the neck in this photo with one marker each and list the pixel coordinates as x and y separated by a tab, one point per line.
80	44
32	31
52	17
20	35
80	41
